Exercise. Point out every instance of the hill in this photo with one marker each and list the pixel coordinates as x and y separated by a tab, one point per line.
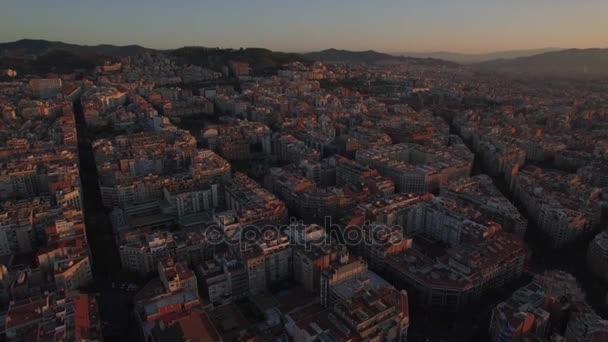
467	58
38	47
369	57
572	63
43	56
343	56
260	60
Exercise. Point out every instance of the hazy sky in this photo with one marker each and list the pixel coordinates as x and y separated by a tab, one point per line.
305	25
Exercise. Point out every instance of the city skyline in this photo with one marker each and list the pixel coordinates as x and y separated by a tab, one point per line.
166	191
470	26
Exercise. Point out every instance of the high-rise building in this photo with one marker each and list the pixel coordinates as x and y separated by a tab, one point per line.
267	261
313	253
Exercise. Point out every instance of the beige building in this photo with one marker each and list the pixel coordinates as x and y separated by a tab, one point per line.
72	272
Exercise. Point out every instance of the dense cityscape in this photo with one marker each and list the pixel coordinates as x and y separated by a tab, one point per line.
155	198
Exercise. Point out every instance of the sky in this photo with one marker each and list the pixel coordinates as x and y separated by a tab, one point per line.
467	26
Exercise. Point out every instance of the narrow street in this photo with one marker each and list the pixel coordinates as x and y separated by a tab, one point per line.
115	304
106	259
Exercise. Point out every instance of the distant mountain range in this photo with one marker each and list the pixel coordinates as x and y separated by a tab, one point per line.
369	56
465	58
41	56
572	63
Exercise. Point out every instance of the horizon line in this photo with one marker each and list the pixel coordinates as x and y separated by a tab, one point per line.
393	52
